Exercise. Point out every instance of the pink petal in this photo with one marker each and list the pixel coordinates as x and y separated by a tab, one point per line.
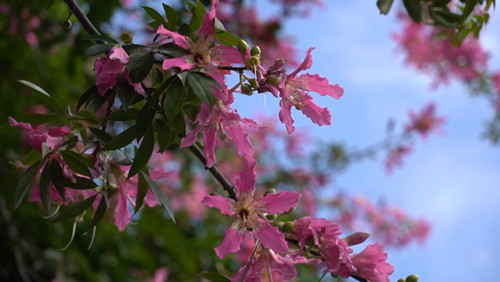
209	140
230	243
24	125
230	55
321	85
218	202
178	39
191	137
177	62
306	64
281	202
117	53
207	27
243	144
246	180
59	131
122	215
286	116
272	238
318	115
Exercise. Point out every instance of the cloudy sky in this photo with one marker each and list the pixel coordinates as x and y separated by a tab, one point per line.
452	179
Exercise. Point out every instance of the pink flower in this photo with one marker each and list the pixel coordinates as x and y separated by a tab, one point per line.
395	157
371	264
247	212
216	122
425	122
109	69
161	275
293	90
53	137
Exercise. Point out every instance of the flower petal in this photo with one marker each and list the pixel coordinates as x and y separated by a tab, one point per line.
177	38
177	62
246	180
117	53
286	116
218	202
281	202
322	86
317	114
271	237
306	64
230	243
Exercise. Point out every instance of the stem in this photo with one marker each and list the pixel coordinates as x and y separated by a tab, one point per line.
250	260
226	185
82	18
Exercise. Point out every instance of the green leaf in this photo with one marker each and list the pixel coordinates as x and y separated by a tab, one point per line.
178	125
132	47
438	18
198	13
201	86
35	119
143	154
122	139
226	38
157	75
70	143
99	213
384	6
414	9
100	37
140	65
157	17
469	7
86	97
126	93
75	209
142	190
214	277
144	120
45	187
24	183
97	49
77	162
159	194
81	183
124	114
34	86
166	137
101	135
32	157
172	50
57	177
171	16
47	99
173	99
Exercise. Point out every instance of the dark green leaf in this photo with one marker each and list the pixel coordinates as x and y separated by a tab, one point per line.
166	137
159	194
124	114
70	142
101	135
24	183
201	86
384	6
57	177
80	183
125	92
45	187
172	50
214	277
122	139
174	98
144	120
198	13
178	125
439	19
140	65
99	213
132	47
157	17
142	190
226	38
97	49
469	7
157	75
35	119
171	16
144	153
100	37
75	209
414	9
32	157
77	162
184	29
47	99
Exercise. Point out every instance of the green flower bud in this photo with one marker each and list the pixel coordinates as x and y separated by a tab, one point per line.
273	80
287	227
271	216
401	280
412	278
255	50
242	46
270	191
126	37
67	24
253	61
254	83
246	89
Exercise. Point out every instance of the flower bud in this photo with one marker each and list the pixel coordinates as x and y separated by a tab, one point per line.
253	83
255	50
299	105
288	226
67	24
273	80
270	191
356	238
246	89
412	278
242	46
401	280
253	61
126	37
271	216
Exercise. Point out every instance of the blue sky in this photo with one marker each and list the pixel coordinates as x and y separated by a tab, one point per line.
452	180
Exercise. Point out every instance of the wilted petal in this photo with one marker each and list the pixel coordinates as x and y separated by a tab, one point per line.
321	85
272	238
281	202
230	243
218	202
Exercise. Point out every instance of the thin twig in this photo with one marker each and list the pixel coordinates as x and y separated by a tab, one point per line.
82	18
226	185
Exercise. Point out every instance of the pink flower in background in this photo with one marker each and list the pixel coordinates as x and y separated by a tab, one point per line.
371	264
161	275
293	92
109	69
53	137
247	212
495	79
395	157
425	122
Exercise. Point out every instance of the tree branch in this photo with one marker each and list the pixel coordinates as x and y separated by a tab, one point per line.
226	185
82	18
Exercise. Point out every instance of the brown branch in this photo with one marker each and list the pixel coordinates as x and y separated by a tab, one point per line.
226	185
82	18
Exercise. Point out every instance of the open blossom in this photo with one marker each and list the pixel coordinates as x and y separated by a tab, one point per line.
109	69
371	264
293	92
35	136
247	212
425	122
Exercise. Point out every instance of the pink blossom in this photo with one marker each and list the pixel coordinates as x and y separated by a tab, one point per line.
247	212
395	157
371	264
425	122
292	91
109	69
161	275
53	137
